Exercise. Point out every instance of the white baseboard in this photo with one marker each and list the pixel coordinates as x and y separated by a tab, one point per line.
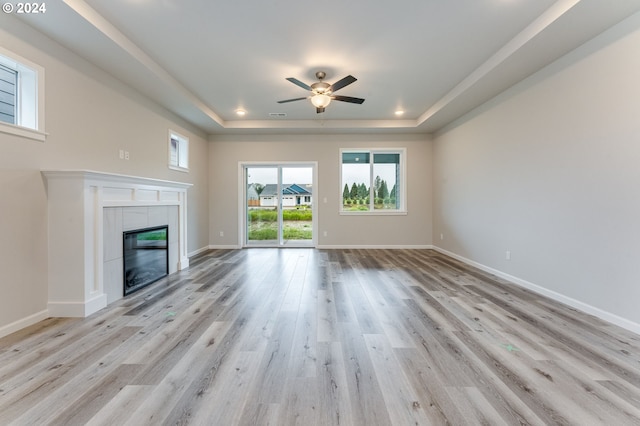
224	247
558	297
184	263
24	322
375	247
197	252
213	247
324	246
77	309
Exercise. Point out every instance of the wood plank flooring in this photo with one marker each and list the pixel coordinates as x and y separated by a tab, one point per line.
324	337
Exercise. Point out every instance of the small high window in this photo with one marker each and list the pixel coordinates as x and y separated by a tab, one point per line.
21	96
178	152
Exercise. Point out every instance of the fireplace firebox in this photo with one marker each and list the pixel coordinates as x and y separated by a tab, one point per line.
145	257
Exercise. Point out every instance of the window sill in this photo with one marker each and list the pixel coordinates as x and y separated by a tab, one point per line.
179	169
24	132
375	213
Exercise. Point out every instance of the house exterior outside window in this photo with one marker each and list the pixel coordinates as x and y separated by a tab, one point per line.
8	98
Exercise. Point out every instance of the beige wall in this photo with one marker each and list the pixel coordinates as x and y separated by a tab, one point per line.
89	117
414	229
550	171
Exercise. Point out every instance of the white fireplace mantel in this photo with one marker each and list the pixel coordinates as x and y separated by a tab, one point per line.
76	199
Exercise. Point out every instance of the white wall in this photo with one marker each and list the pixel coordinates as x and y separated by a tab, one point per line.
89	117
414	229
550	171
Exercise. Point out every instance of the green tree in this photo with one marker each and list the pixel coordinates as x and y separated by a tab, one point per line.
354	191
383	192
363	191
345	192
376	184
392	194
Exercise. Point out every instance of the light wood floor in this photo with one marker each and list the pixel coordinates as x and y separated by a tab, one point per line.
315	337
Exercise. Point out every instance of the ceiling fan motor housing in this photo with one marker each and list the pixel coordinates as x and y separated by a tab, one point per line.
320	87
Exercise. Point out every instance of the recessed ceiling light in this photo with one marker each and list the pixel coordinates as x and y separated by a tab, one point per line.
399	112
241	112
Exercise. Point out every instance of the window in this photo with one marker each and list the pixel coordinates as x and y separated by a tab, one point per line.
178	152
21	96
8	84
372	181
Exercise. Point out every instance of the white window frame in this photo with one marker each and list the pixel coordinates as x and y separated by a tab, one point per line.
178	155
402	208
29	97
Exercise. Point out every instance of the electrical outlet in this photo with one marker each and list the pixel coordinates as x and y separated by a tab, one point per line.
222	233
507	255
126	155
324	234
121	154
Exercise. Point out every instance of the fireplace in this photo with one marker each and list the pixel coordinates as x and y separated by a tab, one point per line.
88	212
145	257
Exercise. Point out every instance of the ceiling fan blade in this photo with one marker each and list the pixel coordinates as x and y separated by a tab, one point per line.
299	83
291	100
319	110
348	99
341	83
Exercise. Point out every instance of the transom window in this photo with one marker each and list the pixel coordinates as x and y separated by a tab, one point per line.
373	181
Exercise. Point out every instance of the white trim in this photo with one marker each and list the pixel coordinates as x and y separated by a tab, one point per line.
77	309
328	247
183	263
179	169
25	132
584	307
228	247
376	247
198	251
113	178
374	213
24	322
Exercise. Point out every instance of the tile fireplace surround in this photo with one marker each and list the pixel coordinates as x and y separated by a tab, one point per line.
78	202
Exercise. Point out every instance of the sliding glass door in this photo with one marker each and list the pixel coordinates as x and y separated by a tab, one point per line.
262	206
279	205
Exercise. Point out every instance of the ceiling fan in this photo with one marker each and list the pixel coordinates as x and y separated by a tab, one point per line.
322	92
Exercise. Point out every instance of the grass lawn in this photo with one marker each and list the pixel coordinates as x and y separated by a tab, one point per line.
292	230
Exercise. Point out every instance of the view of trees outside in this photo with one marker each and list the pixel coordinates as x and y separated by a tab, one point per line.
357	182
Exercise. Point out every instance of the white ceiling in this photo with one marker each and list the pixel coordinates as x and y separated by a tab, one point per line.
434	59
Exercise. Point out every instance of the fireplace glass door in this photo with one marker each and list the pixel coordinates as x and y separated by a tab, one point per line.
146	257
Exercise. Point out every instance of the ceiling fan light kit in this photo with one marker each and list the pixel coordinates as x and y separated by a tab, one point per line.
320	100
322	92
